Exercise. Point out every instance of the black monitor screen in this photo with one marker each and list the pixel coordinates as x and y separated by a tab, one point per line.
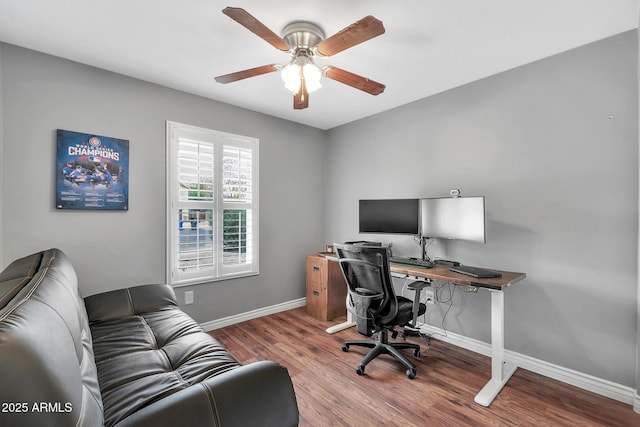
395	216
453	218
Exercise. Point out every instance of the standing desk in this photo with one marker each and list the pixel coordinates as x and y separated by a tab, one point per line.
501	370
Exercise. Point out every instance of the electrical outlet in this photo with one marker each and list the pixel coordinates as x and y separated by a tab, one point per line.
430	297
188	297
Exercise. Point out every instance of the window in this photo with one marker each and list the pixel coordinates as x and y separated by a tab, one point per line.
212	205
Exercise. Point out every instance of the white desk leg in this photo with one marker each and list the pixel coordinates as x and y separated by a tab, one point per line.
344	325
501	371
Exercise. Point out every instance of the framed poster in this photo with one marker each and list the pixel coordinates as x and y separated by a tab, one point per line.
92	172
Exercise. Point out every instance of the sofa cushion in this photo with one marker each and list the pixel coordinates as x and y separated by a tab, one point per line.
145	356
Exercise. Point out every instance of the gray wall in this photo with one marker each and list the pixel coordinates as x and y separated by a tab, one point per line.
116	249
554	148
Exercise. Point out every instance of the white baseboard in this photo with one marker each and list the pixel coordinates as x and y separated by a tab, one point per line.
253	314
584	381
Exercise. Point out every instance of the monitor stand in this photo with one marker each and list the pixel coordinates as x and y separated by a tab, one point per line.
423	245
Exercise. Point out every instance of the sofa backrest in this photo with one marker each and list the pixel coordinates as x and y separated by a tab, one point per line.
48	374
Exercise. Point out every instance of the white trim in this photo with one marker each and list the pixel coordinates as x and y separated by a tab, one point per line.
253	314
569	376
184	283
584	381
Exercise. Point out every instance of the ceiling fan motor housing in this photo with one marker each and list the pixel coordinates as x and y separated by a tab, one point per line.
302	35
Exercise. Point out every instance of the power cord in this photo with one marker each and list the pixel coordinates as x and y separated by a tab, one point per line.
438	288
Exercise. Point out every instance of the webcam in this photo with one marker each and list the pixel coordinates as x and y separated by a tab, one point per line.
455	193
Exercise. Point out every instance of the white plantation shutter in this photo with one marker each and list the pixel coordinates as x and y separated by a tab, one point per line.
237	199
195	238
195	170
237	174
212	205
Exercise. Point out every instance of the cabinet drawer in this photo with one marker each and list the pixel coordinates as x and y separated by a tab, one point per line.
316	290
316	300
316	269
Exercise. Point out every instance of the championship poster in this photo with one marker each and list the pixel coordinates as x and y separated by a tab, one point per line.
92	172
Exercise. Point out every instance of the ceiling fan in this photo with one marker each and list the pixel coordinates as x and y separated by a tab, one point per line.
304	41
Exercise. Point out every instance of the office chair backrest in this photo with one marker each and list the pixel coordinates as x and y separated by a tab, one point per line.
367	267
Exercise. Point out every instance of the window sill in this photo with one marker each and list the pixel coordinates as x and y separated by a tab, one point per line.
203	281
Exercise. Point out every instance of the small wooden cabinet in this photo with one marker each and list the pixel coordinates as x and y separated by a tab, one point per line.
326	288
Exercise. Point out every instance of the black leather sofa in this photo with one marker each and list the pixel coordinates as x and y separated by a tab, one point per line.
121	358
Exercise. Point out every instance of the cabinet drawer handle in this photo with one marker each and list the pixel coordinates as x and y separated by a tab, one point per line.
316	293
316	268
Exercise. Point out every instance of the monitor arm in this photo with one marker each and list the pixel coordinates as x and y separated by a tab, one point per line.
423	245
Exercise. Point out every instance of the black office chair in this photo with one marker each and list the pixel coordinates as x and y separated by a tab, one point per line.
374	304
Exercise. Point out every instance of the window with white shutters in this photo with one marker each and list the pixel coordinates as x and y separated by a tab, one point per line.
212	204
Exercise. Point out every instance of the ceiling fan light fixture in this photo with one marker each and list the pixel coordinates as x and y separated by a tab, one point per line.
301	68
291	74
312	75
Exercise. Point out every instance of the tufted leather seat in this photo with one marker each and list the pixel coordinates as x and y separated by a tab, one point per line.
143	357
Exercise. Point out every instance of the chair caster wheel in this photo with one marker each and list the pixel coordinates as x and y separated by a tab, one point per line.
345	348
360	370
411	373
416	353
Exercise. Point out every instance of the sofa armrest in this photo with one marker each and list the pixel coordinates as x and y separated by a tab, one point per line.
258	394
129	301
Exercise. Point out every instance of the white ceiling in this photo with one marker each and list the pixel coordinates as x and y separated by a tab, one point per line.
429	46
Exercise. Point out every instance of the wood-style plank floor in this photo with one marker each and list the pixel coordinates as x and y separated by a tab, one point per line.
330	393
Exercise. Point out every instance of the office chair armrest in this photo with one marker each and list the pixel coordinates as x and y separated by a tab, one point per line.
419	285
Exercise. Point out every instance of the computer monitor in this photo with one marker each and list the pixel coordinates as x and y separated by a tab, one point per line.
390	216
460	218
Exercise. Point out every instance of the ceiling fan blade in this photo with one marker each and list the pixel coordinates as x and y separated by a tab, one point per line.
244	74
353	80
301	99
356	33
247	20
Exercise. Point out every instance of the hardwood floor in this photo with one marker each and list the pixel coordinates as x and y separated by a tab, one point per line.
330	393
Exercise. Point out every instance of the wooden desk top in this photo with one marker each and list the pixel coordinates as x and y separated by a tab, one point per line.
442	272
